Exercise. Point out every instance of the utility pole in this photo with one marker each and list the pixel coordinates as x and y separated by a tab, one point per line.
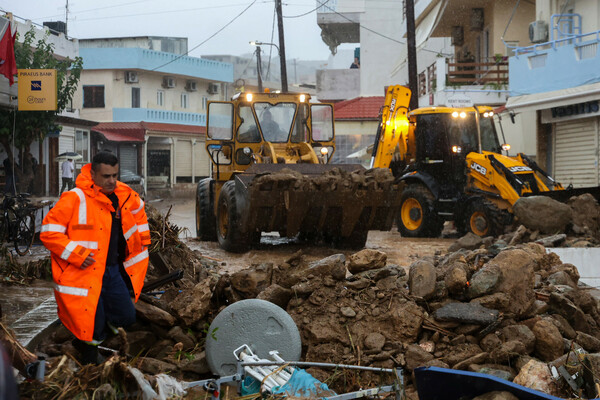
258	69
284	82
66	17
413	83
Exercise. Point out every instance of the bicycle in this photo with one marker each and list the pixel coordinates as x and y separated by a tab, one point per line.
17	222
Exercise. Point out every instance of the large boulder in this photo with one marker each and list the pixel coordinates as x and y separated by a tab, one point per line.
468	242
586	214
513	274
541	213
548	340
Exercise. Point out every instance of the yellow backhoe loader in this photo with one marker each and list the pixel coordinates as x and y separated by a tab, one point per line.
270	172
452	164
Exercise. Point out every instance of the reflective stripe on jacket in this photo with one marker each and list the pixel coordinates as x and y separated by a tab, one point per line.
79	225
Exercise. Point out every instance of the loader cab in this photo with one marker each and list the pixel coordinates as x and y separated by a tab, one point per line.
445	136
268	128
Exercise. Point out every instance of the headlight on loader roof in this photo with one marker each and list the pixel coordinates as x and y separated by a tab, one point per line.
248	97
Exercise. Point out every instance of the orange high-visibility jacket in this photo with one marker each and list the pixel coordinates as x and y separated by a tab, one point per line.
79	224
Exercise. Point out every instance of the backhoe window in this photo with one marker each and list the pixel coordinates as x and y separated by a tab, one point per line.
275	120
431	137
489	138
248	131
463	132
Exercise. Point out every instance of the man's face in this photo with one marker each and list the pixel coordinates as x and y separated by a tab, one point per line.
106	177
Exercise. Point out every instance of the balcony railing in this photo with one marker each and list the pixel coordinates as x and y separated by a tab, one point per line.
484	73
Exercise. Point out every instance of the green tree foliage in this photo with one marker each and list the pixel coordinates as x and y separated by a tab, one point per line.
34	125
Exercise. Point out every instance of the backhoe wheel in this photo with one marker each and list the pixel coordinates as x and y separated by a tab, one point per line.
230	233
417	216
483	218
206	225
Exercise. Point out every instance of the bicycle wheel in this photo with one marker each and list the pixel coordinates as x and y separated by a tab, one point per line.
25	231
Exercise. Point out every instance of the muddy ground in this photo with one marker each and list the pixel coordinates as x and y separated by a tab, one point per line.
400	251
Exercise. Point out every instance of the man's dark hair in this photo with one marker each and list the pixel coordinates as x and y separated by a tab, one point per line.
104	157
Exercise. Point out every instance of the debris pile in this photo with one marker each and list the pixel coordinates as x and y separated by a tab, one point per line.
498	306
572	224
511	313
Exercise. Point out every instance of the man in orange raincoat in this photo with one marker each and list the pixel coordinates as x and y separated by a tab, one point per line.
98	235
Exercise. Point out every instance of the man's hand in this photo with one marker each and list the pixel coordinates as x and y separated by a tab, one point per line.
88	261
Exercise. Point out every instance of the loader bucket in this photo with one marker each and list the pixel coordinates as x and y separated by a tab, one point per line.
339	201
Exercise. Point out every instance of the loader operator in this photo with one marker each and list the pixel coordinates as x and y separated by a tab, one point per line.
98	235
270	129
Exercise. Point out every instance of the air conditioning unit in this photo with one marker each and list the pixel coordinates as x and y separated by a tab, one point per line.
131	77
168	82
538	31
191	86
213	88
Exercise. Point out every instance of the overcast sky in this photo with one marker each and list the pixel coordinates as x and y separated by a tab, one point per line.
197	20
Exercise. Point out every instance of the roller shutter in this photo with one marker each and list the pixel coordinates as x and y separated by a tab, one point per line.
201	159
183	158
128	158
576	152
66	142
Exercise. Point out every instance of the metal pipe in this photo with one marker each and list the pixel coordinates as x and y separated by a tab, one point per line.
315	364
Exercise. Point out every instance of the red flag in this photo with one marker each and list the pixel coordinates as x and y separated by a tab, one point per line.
8	64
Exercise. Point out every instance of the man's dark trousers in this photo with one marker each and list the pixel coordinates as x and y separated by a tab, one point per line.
114	305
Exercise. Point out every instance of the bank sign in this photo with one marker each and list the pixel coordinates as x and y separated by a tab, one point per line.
37	89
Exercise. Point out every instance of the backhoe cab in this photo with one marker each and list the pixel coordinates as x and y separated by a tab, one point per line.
451	161
270	172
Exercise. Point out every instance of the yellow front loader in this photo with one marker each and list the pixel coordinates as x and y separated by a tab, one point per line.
270	156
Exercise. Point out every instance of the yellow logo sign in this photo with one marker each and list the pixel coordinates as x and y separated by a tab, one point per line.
37	89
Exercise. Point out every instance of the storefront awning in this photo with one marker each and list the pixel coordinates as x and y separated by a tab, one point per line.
426	26
557	98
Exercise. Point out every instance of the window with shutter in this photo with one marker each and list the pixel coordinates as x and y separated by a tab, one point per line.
93	96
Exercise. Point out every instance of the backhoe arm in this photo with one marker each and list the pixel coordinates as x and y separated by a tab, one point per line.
393	126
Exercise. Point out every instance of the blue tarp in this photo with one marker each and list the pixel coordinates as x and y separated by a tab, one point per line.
301	384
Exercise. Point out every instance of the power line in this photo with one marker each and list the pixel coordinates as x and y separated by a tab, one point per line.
143	14
306	13
207	39
160	12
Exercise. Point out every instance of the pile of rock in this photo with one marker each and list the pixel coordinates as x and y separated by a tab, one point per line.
511	312
572	224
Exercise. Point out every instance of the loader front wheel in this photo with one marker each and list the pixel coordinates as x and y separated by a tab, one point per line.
417	215
483	218
230	232
206	225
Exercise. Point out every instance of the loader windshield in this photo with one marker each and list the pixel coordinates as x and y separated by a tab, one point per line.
275	120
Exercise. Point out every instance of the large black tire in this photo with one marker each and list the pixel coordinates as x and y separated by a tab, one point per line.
206	223
230	233
483	218
417	216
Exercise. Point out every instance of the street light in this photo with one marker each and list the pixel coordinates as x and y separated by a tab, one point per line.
283	70
257	43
